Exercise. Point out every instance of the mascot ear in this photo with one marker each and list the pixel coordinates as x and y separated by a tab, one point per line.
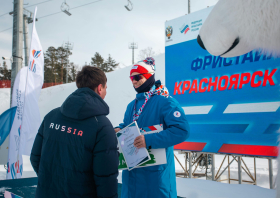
200	42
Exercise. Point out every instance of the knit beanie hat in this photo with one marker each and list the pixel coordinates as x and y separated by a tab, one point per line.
145	66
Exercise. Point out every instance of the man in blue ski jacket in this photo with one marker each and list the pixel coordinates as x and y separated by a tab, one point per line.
153	106
75	151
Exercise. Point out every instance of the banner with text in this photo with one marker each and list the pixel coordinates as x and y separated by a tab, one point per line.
14	165
232	104
31	115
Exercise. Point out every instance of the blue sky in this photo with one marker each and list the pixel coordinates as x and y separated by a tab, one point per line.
105	26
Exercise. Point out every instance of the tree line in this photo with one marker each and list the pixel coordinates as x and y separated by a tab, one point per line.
107	66
56	61
55	65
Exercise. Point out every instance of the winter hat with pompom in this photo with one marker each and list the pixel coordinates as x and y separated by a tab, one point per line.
145	67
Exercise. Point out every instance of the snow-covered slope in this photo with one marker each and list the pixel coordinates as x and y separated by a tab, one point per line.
4	99
119	92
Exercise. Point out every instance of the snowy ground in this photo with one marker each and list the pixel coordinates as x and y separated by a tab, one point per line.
119	93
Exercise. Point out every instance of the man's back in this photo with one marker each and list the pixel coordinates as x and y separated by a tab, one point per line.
75	151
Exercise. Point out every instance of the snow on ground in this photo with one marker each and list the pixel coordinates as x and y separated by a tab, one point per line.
119	93
197	188
5	99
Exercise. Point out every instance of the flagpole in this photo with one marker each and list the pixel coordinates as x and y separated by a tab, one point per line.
35	12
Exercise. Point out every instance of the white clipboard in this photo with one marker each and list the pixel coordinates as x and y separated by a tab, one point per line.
133	157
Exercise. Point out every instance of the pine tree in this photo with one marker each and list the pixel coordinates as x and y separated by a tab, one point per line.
63	57
98	61
107	66
55	65
50	65
73	71
110	64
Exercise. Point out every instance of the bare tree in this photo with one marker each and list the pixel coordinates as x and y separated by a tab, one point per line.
144	53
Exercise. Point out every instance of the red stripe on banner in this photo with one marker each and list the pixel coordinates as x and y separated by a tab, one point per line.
186	30
152	128
271	151
190	146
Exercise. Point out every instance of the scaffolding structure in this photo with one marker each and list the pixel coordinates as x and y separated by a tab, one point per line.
207	160
133	46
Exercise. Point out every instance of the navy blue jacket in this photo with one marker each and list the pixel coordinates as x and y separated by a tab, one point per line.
75	151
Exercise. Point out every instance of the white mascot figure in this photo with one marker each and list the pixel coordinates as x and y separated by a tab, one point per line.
236	27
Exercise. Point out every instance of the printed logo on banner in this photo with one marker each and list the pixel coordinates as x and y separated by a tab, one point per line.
14	169
184	29
36	54
19	130
168	31
195	25
20	104
134	67
17	138
32	64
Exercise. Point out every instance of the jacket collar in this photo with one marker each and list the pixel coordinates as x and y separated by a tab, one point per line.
140	96
84	103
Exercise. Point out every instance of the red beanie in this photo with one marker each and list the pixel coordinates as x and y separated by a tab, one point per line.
145	66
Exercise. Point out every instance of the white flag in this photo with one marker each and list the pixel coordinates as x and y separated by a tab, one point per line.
14	159
26	92
35	77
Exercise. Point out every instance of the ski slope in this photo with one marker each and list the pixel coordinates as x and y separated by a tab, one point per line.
119	93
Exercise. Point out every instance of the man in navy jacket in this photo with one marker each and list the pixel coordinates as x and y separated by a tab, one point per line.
75	151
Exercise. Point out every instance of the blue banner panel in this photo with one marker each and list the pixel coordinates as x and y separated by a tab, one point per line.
230	103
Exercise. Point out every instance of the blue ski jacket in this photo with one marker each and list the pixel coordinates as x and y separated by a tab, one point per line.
160	180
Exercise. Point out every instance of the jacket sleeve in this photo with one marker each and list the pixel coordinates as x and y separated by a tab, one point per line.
106	162
177	125
36	149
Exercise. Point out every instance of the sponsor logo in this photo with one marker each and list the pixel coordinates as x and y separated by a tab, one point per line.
14	168
195	25
184	29
32	64
36	54
168	31
134	67
19	98
177	114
